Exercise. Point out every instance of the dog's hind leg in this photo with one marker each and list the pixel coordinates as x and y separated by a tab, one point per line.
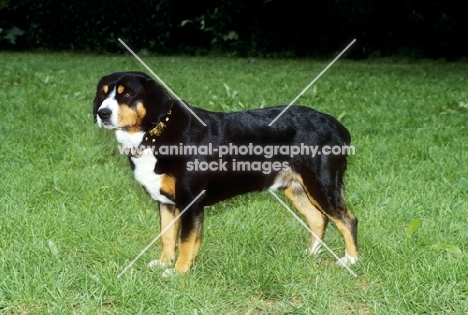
347	225
327	195
315	219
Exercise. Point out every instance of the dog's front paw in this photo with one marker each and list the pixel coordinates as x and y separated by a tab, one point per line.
182	266
157	264
347	260
169	272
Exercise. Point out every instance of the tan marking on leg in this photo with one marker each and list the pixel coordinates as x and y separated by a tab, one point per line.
315	219
345	225
105	88
311	199
197	244
345	229
169	238
168	186
188	250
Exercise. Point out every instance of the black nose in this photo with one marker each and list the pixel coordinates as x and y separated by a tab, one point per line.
104	113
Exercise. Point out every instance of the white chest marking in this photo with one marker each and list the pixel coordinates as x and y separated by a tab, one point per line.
129	139
144	166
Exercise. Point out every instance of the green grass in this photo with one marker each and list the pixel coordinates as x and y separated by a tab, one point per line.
72	217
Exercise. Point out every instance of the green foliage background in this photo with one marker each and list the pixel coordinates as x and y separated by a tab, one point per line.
297	28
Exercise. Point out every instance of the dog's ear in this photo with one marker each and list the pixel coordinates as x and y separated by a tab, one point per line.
156	101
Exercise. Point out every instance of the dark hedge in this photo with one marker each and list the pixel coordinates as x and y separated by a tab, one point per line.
434	29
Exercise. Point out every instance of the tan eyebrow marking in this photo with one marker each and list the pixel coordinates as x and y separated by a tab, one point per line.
120	89
105	88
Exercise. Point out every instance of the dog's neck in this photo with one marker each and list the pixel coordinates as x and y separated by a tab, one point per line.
128	139
157	130
134	140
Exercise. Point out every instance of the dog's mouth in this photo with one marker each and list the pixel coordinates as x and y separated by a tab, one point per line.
106	124
109	126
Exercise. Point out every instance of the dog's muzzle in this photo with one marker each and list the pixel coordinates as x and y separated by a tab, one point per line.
104	113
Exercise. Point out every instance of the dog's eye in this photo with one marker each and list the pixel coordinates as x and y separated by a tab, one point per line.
127	94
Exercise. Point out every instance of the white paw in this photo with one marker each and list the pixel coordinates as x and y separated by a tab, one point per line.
315	249
168	273
347	260
157	264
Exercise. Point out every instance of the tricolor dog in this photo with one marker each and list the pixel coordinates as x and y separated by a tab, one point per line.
144	115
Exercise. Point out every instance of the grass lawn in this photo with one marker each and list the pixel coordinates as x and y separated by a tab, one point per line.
72	216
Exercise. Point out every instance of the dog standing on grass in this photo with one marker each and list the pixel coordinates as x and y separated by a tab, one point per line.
144	116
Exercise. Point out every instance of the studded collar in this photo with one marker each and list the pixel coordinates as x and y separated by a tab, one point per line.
152	134
157	130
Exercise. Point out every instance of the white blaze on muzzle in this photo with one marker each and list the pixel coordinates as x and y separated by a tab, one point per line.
111	104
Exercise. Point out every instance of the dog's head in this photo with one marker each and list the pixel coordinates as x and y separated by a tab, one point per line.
130	101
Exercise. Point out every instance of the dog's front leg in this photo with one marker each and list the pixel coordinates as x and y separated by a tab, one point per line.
190	238
168	213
